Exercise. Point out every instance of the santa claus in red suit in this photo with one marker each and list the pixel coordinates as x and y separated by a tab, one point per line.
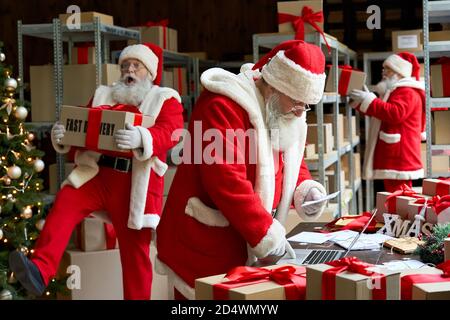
397	123
124	188
220	212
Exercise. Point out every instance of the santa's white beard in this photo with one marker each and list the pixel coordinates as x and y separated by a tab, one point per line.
284	129
132	94
386	84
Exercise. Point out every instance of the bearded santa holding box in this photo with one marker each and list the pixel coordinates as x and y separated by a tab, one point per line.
127	186
228	206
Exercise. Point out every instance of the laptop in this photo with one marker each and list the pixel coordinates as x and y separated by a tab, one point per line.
316	256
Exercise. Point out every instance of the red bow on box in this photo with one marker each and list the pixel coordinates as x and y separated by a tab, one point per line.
404	190
307	16
162	23
292	278
357	223
438	203
351	264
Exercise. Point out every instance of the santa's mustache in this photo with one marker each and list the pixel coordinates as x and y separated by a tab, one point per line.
129	79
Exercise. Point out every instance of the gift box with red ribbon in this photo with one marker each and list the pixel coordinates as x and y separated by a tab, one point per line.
395	202
351	279
426	283
436	187
83	54
279	282
94	235
434	210
159	33
440	78
180	82
86	17
94	128
349	79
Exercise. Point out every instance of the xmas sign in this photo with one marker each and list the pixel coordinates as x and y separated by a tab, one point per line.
395	226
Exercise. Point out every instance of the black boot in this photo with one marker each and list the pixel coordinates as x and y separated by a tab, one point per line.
27	273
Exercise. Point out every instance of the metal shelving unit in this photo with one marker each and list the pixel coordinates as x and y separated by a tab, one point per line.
339	52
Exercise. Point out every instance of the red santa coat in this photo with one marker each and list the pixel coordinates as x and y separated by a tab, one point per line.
393	146
148	163
217	214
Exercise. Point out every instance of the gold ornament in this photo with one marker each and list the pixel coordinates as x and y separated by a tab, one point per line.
5	294
14	172
27	213
38	165
40	224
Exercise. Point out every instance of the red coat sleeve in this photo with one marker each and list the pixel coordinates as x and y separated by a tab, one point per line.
304	173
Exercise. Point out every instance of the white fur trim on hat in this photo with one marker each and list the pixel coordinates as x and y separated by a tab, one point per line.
143	54
293	80
399	65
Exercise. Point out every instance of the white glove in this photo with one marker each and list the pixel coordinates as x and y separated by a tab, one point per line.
282	249
58	131
312	195
129	138
358	96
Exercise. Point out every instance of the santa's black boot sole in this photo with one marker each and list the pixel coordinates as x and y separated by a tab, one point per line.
27	273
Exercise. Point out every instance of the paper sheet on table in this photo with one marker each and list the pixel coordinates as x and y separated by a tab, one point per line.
311	237
403	265
328	197
365	241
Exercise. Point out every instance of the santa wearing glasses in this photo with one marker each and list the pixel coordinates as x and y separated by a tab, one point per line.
127	186
226	213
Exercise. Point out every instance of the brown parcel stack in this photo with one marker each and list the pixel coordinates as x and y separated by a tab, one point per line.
349	285
329	118
441	130
156	34
295	8
75	120
312	136
86	17
401	206
79	87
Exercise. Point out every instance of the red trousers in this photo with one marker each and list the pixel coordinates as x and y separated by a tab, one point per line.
108	191
394	185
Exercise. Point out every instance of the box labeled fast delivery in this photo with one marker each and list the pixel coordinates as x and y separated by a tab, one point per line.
99	125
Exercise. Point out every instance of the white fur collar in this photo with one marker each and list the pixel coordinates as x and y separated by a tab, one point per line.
409	82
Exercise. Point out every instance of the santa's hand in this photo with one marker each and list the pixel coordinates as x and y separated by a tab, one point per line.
358	96
283	248
128	138
313	195
58	131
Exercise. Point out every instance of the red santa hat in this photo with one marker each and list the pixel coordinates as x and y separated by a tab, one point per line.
149	54
405	64
295	68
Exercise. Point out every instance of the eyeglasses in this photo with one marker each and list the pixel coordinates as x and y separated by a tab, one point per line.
136	66
300	106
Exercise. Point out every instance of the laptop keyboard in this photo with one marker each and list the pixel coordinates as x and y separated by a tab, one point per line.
321	256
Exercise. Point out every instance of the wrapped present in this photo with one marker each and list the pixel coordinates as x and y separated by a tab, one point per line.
158	33
436	187
407	40
250	283
94	235
395	202
301	17
434	210
349	79
440	78
94	128
180	81
83	54
447	248
355	223
426	283
351	279
86	17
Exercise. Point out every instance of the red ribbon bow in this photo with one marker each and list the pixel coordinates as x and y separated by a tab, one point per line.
438	203
307	16
161	23
292	278
351	264
404	190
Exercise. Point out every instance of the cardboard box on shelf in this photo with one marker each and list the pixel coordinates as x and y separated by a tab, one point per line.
349	79
79	87
441	130
439	164
167	79
83	55
92	235
440	35
353	133
75	120
440	75
165	37
356	164
312	137
407	40
86	17
99	272
310	150
294	8
180	81
332	183
329	118
53	176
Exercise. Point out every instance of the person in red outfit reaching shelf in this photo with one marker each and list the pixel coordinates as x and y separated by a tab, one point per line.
229	209
127	187
397	123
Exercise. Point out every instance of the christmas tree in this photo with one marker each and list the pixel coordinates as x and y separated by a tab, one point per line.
21	204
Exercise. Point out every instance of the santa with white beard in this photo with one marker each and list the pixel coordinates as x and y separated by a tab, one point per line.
227	205
124	188
397	123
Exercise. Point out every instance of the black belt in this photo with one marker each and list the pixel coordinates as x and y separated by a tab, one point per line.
119	164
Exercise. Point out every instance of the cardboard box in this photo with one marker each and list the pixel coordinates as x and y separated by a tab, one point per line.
434	187
87	17
166	39
353	133
201	55
349	285
180	81
356	165
408	283
430	215
295	8
310	150
348	80
439	35
53	176
167	79
441	130
268	290
329	118
439	164
168	179
91	235
447	249
83	55
100	275
431	291
79	87
438	76
312	136
408	40
401	206
332	183
75	120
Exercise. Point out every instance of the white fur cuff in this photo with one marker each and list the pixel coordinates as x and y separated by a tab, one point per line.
274	236
151	220
59	147
299	197
146	151
367	102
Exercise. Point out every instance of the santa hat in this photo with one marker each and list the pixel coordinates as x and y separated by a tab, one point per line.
149	54
295	68
405	64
